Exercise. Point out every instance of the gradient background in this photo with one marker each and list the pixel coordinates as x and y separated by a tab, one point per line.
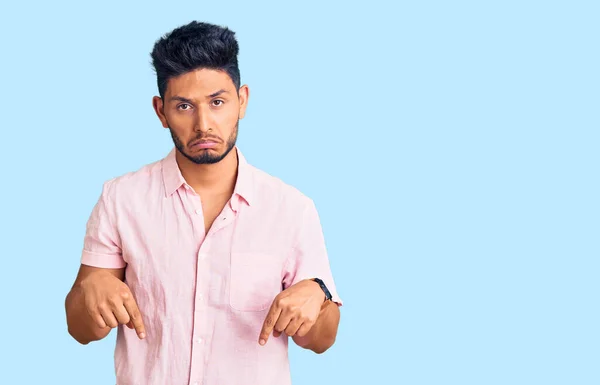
451	149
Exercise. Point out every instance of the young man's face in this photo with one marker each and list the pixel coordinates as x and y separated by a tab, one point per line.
201	108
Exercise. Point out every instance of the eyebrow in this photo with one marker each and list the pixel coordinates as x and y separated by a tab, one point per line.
219	92
186	100
180	99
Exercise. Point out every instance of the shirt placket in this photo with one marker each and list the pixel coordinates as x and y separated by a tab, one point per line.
201	333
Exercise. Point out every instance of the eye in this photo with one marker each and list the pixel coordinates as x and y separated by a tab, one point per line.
184	106
218	103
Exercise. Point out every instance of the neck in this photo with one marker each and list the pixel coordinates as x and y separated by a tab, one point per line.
217	178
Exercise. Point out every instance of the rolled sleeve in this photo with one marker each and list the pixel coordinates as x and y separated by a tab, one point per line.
309	258
101	244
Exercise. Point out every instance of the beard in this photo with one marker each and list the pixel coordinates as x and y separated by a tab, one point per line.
205	156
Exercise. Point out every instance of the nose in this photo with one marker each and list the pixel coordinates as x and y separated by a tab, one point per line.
204	123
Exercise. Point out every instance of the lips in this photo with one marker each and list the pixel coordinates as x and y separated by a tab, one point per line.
204	143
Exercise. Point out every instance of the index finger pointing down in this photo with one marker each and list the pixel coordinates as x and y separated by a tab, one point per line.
135	317
269	324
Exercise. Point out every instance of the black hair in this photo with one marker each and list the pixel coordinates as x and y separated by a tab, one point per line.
194	46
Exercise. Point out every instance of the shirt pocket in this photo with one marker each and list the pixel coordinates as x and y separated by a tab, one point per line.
255	280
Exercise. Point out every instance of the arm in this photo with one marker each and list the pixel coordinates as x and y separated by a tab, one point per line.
99	299
300	310
310	260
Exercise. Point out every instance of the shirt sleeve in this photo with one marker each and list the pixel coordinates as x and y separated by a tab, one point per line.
101	244
309	257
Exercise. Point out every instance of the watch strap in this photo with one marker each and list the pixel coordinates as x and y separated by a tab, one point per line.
324	288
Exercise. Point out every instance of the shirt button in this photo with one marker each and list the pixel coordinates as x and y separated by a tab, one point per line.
198	211
199	340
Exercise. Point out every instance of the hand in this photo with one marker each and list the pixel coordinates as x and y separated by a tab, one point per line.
110	303
294	311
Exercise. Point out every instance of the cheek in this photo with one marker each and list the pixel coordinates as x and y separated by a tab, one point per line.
179	119
227	119
180	123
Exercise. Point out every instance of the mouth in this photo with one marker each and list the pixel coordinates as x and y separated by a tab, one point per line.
204	144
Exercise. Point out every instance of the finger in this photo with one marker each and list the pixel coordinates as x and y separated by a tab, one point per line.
293	327
135	316
94	312
304	329
270	320
284	320
109	317
97	317
276	334
130	324
121	314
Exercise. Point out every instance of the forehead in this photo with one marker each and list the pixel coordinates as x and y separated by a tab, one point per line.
199	83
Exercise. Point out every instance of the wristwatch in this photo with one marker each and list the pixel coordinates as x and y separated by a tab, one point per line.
324	288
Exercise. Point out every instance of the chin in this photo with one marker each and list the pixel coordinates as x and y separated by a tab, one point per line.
204	156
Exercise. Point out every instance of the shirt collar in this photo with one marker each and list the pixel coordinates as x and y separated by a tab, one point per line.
173	179
244	185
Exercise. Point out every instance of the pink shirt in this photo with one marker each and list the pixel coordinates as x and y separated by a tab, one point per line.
204	298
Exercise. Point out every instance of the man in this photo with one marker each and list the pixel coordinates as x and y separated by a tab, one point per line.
210	263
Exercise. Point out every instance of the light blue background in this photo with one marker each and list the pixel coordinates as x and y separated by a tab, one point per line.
451	149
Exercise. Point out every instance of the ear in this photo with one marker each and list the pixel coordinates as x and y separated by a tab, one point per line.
157	103
244	94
